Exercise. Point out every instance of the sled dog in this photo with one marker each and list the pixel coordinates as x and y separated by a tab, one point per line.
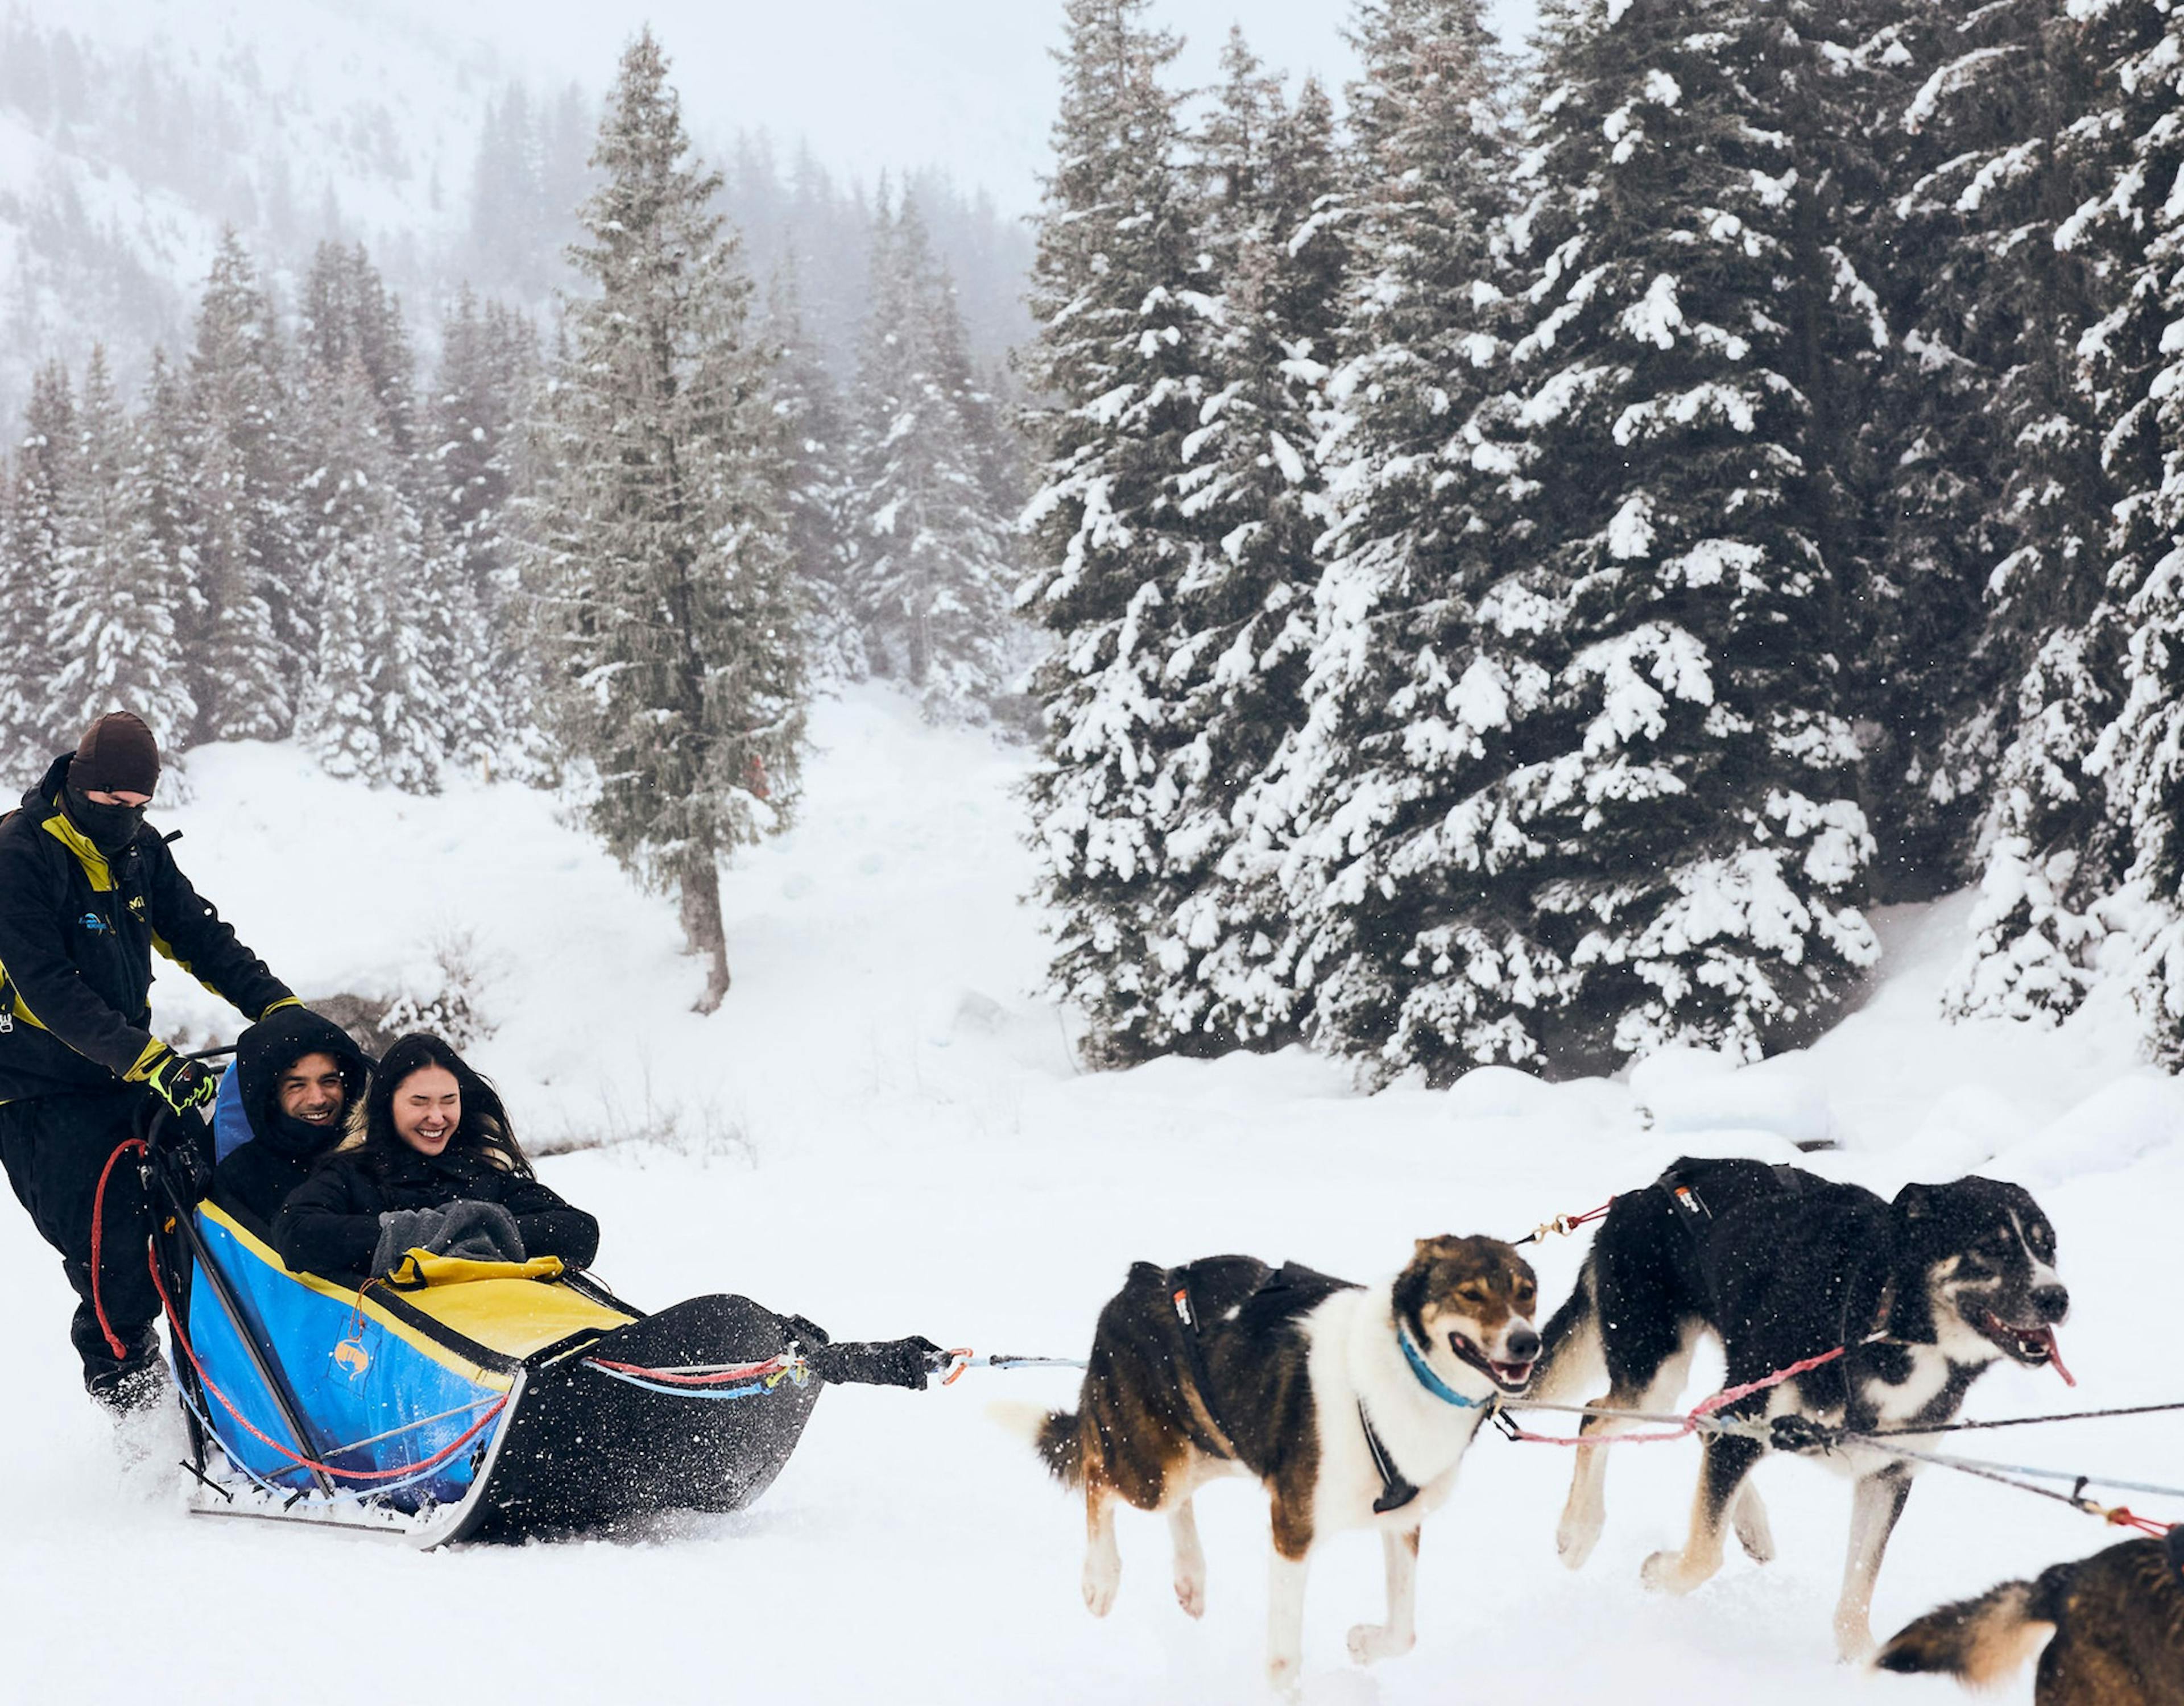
2118	1619
1779	1265
1351	1405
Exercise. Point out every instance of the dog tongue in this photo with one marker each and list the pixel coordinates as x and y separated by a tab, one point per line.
2055	1357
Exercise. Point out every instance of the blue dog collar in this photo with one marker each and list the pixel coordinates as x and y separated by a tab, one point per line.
1432	1382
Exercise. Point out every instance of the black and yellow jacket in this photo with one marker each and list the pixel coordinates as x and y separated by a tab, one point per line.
76	935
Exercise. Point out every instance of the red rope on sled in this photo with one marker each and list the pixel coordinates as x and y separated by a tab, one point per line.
1693	1420
181	1338
712	1377
98	1237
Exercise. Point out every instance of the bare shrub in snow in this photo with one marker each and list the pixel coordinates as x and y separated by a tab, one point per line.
452	1007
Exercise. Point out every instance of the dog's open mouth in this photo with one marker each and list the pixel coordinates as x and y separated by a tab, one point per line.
1510	1377
2034	1346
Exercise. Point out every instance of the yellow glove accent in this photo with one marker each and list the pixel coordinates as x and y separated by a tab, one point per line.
285	1001
154	1053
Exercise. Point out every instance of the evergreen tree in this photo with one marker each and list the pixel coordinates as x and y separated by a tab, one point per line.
931	562
661	555
1240	621
815	444
169	485
488	369
249	652
1681	812
348	314
1411	924
2131	233
2055	622
488	373
36	503
1954	127
116	592
375	703
1117	298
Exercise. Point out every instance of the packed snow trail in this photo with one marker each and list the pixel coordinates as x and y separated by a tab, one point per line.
882	1130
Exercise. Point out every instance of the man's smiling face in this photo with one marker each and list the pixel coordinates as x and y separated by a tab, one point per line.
311	1091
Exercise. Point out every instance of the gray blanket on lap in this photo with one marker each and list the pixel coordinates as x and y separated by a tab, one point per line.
472	1231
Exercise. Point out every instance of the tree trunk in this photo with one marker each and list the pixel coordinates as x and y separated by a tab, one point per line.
702	927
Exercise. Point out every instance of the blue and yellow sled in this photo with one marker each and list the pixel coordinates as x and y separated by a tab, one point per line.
461	1400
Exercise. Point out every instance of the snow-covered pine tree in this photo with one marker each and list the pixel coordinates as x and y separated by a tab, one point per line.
659	554
348	314
404	675
247	654
374	705
1955	190
488	373
116	592
489	366
986	406
36	500
1434	627
164	429
2056	629
1121	314
1239	623
1684	801
2132	232
931	565
814	436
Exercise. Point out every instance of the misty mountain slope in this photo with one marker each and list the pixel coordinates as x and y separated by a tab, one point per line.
131	133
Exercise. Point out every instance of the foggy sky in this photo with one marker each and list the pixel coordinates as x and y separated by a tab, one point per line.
968	85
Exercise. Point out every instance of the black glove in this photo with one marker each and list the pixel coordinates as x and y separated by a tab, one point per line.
806	1332
402	1230
183	1084
188	1167
887	1363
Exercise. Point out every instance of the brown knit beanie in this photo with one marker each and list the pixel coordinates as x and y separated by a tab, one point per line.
118	755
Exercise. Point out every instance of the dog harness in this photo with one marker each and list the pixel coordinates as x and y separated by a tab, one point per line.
1177	1283
1397	1491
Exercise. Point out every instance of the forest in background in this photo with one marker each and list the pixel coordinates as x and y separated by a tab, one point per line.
1529	556
1531	566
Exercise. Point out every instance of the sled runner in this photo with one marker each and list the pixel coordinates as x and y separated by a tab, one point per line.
461	1400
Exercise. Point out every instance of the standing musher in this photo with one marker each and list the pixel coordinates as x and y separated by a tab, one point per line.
86	892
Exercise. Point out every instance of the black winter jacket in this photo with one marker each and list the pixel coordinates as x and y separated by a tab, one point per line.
331	1224
76	935
257	1177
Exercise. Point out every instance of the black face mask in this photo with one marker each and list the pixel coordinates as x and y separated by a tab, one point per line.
299	1137
109	828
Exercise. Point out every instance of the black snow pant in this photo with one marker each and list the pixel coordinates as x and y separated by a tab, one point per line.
54	1148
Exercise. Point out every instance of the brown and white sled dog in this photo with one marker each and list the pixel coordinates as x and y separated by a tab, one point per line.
1351	1406
2117	1617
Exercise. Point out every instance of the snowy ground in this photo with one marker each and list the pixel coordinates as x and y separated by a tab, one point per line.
883	1130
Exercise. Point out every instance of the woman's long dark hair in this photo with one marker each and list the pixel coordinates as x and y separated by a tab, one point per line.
483	1127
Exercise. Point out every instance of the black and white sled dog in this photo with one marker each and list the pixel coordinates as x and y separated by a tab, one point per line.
1351	1405
1781	1265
